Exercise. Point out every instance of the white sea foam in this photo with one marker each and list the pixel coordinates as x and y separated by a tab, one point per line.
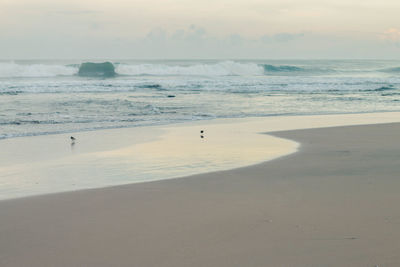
55	99
12	69
216	69
225	68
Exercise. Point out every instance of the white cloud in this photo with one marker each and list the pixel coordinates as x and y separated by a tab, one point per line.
199	29
281	37
391	34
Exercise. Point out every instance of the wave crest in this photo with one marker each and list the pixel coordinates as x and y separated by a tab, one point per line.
13	70
391	70
226	68
283	68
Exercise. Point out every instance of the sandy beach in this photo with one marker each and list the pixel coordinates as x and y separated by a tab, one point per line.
333	203
48	164
242	133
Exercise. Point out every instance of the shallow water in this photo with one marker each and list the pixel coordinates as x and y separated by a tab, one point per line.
52	163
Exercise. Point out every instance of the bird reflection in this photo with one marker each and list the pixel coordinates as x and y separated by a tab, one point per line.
73	139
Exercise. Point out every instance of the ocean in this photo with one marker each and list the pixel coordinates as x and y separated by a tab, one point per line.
47	97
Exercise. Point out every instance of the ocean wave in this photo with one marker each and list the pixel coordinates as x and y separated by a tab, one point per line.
385	88
226	68
283	68
14	92
151	86
382	88
390	94
222	68
14	70
20	122
391	70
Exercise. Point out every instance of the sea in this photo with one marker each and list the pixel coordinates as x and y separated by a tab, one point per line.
40	97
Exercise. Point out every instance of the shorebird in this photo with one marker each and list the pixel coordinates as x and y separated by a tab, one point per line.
73	138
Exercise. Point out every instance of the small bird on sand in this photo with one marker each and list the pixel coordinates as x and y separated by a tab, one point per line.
201	131
73	138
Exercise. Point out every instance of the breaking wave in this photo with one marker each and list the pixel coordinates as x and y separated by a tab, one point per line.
391	70
225	68
385	88
272	68
14	70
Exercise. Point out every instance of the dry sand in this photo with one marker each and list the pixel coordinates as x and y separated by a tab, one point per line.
334	203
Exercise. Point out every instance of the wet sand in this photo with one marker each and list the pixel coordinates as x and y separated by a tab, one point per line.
333	203
47	164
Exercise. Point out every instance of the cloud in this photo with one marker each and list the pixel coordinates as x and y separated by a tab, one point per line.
195	34
192	33
156	35
196	42
391	34
286	37
72	12
283	37
236	39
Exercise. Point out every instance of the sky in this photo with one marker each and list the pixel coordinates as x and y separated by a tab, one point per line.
199	29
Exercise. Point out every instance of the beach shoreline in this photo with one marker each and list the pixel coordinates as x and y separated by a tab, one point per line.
332	203
51	164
